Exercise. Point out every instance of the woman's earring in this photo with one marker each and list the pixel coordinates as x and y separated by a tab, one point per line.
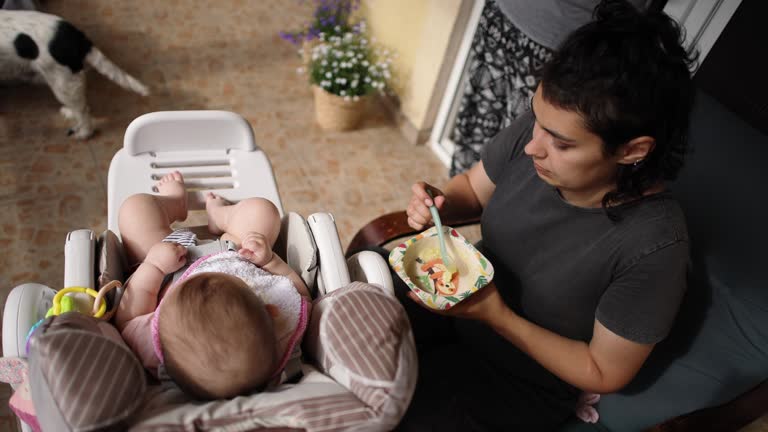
637	162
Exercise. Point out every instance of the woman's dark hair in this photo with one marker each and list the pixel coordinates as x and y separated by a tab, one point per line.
627	74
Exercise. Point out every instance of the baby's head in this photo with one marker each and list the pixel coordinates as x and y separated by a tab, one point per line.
217	337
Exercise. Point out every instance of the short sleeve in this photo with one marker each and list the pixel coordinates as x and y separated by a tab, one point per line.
642	301
138	335
506	145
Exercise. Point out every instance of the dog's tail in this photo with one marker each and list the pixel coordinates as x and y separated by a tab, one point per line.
102	64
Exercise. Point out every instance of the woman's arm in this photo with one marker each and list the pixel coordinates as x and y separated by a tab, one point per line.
465	195
604	365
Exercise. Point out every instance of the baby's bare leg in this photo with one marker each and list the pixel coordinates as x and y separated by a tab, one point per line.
237	221
253	225
146	219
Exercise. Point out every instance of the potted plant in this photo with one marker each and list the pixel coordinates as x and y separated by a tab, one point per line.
331	17
345	69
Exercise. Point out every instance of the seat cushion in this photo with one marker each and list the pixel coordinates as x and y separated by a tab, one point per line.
82	375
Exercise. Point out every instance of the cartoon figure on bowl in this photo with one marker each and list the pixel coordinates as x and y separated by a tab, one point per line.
445	282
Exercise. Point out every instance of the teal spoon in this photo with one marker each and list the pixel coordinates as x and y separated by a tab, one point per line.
447	260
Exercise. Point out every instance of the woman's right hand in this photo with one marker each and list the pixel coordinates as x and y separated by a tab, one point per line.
418	208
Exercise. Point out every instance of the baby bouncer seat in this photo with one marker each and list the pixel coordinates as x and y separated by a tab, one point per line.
359	361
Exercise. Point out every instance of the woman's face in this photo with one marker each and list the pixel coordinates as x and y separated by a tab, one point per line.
568	156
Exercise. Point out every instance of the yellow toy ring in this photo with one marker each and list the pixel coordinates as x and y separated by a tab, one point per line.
90	292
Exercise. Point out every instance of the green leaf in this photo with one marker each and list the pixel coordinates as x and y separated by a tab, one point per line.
483	263
481	282
426	284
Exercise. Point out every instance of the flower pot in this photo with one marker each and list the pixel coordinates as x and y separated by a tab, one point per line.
334	113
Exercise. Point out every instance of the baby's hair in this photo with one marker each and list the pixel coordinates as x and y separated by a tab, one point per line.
217	337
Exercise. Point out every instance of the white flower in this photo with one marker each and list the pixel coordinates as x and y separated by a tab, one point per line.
353	84
328	74
347	98
365	63
324	63
342	93
367	79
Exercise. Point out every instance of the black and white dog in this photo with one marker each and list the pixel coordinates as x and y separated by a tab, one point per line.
39	47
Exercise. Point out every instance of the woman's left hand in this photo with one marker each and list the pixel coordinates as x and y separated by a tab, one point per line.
485	305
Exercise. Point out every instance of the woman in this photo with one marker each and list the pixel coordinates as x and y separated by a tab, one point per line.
589	249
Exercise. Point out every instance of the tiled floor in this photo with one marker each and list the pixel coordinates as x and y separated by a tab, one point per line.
193	55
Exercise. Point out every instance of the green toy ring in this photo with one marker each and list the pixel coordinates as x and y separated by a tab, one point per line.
59	295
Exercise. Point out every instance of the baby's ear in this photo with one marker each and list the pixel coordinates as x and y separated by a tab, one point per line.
272	310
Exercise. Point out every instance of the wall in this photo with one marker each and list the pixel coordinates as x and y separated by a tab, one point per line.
420	33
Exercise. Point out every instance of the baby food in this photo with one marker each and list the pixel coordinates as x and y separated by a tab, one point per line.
443	281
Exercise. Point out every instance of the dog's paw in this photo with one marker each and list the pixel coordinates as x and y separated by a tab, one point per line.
81	134
67	113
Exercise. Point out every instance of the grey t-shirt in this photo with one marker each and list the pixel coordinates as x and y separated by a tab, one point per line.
563	266
548	22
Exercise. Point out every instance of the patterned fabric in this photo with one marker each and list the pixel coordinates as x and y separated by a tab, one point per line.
82	375
183	237
362	338
503	64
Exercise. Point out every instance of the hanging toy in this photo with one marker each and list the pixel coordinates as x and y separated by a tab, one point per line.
62	303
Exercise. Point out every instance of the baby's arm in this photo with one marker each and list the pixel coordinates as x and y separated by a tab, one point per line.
255	249
277	266
142	289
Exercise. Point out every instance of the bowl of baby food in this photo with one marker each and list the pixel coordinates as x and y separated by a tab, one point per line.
419	264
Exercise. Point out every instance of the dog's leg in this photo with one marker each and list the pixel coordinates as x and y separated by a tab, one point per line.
69	89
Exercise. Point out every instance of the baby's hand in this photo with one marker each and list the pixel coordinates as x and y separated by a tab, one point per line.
167	256
255	249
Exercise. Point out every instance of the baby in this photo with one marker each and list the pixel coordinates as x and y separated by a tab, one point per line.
212	329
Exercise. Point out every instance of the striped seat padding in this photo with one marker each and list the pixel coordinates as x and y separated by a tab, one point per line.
82	375
361	337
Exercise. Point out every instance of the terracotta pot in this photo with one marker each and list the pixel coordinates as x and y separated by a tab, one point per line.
333	113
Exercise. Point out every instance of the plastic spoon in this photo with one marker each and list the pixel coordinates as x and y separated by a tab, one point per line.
447	259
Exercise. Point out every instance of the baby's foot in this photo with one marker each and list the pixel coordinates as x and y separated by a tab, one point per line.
217	216
255	249
171	187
